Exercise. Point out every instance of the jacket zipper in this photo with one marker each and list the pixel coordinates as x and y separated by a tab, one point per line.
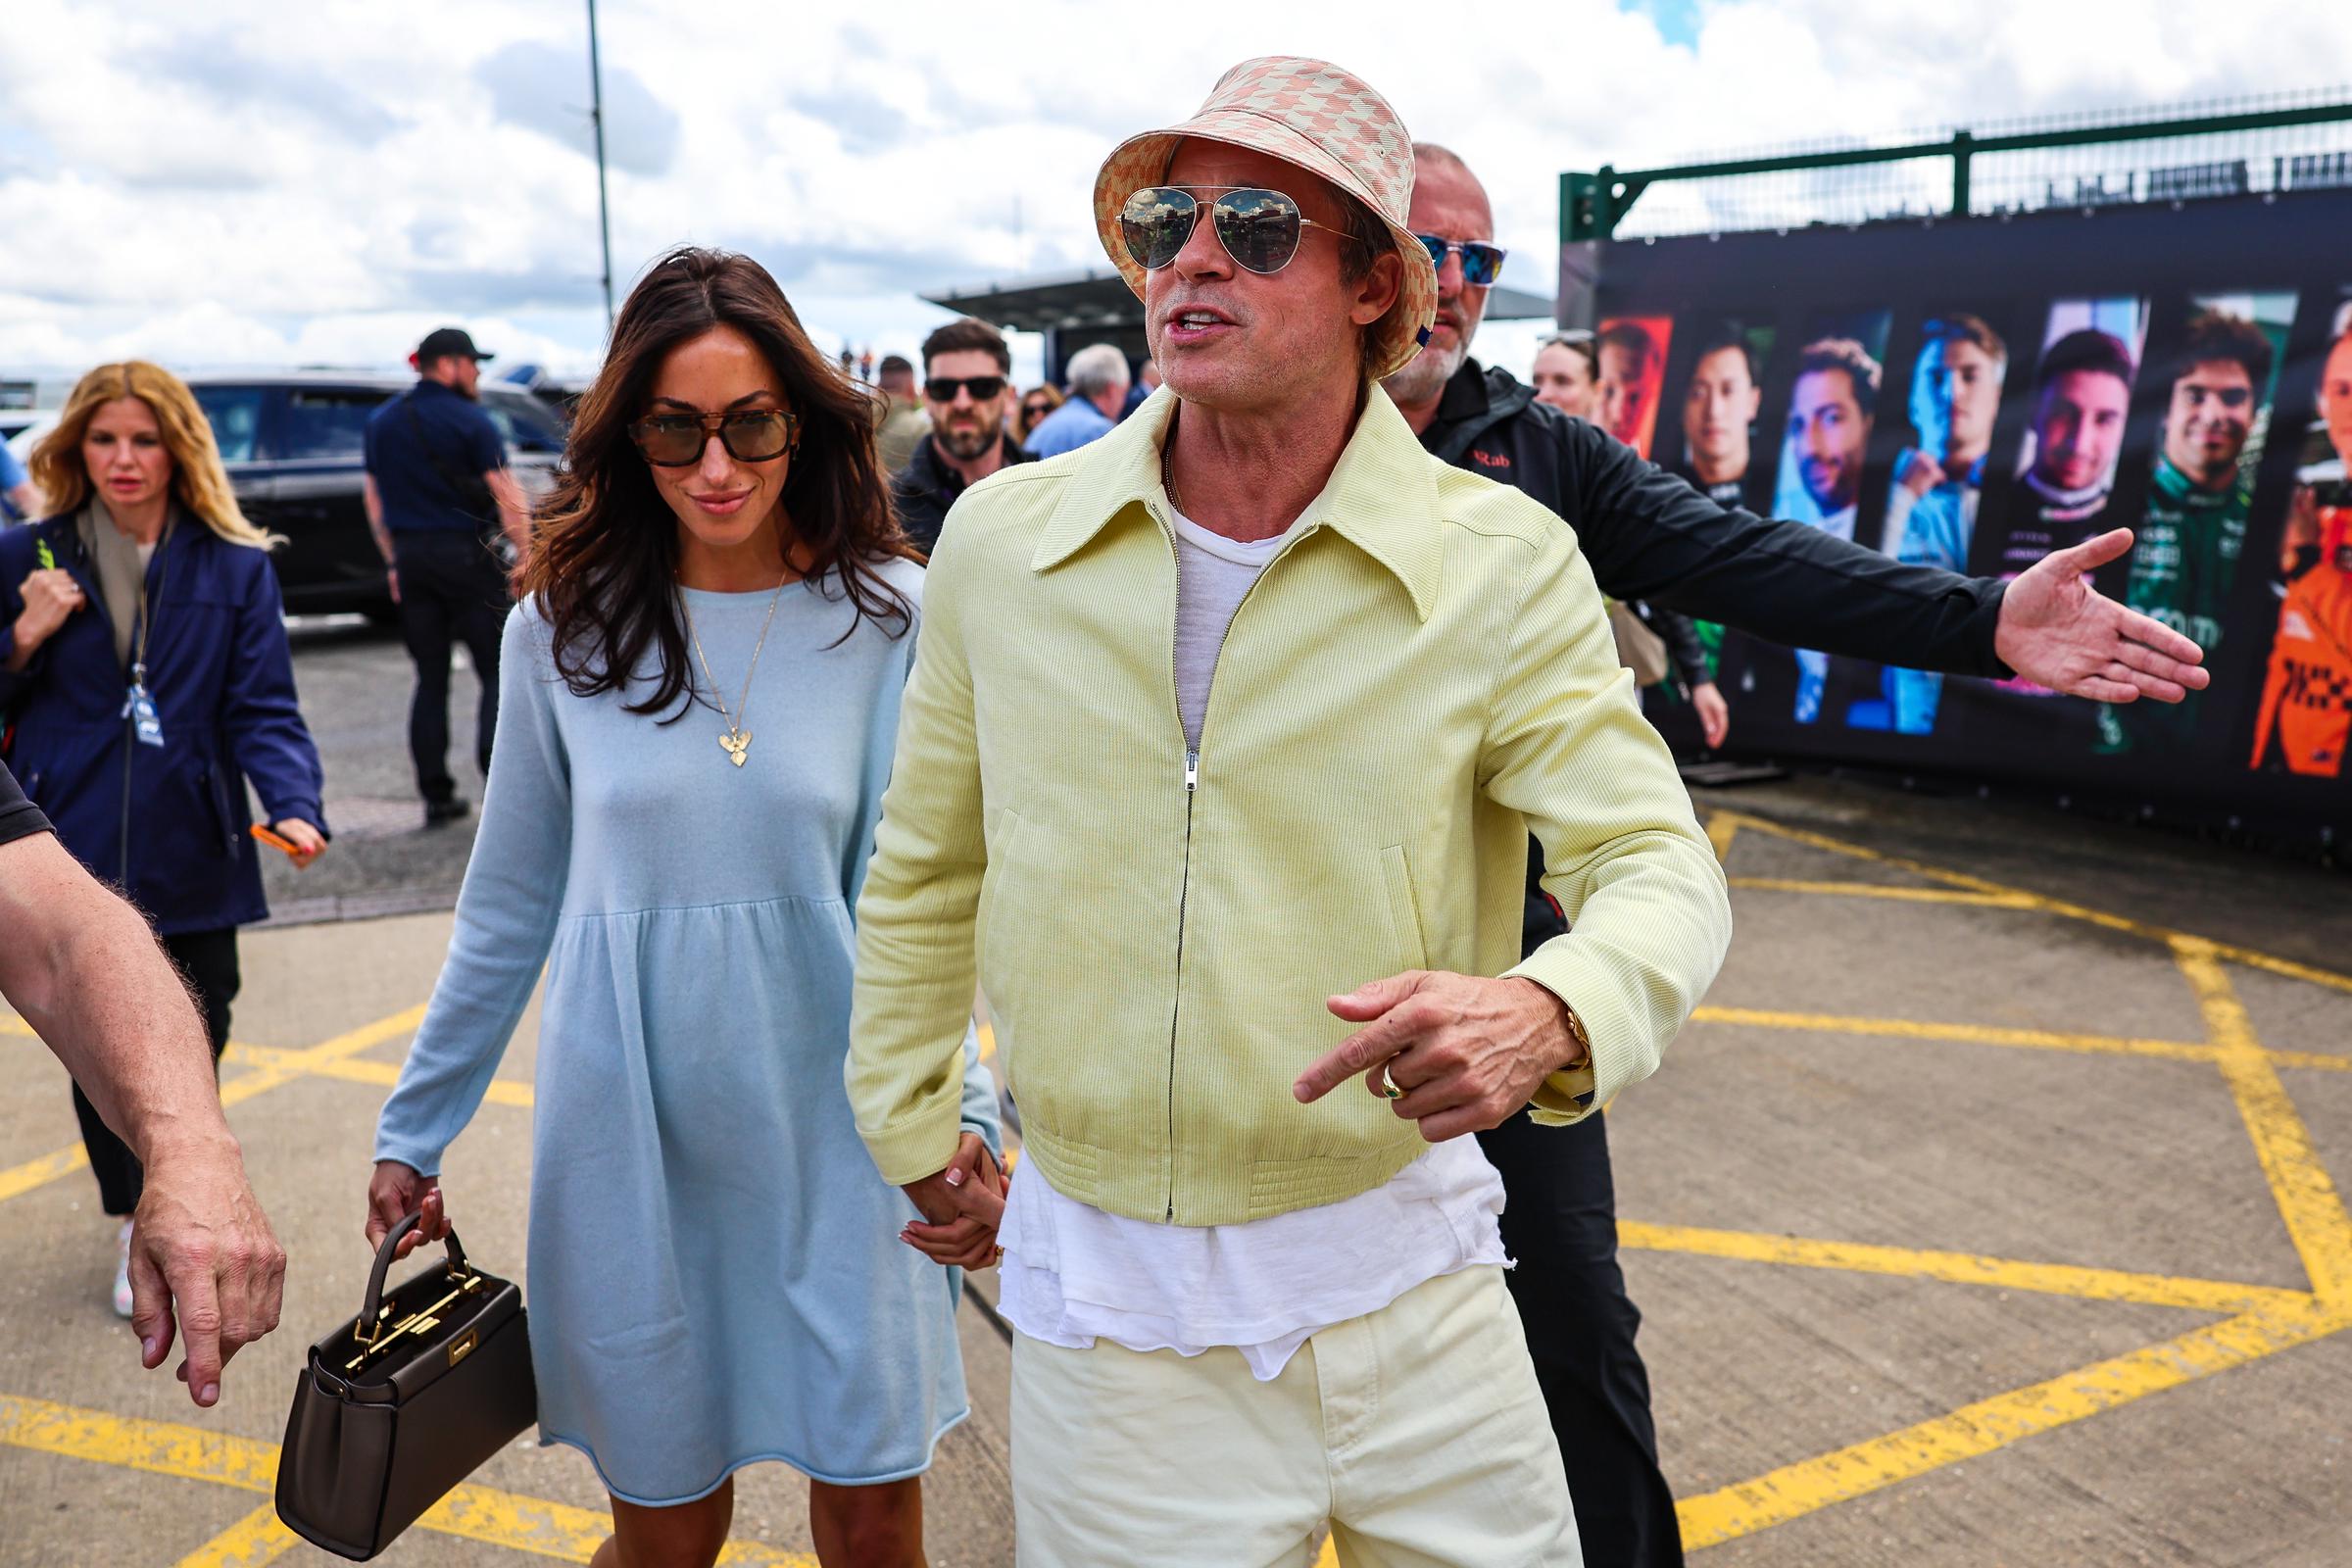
1191	787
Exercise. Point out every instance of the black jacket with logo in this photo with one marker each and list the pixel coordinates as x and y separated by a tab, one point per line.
1648	535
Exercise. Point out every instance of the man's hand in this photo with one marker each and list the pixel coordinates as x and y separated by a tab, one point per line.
392	581
962	1207
202	1253
1468	1054
2058	631
1714	713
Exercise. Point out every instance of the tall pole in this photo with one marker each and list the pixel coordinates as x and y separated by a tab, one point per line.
596	117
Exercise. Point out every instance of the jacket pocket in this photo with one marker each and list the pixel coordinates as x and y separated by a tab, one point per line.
1404	909
216	812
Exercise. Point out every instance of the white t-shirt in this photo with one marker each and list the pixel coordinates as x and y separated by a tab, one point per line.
1073	1273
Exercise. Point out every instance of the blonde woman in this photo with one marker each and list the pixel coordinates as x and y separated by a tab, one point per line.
145	673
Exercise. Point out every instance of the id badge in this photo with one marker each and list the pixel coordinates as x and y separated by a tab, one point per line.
139	709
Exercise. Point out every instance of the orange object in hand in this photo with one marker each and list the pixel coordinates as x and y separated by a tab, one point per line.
276	841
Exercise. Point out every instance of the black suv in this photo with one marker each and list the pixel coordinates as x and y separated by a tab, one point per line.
292	443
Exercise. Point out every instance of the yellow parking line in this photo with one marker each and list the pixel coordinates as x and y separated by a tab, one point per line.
2309	1059
191	1453
1881	890
1982	1034
2250	957
1964	1268
2307	1198
1800	1489
382	1074
283	1067
1722	828
252	1541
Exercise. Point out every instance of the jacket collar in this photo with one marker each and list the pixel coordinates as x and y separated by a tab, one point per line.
1382	497
932	472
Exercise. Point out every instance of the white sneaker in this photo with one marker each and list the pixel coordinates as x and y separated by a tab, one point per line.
122	1275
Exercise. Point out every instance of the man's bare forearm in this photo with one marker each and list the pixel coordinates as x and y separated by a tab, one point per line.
87	974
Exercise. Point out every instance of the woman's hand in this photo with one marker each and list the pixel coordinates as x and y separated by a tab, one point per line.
395	1192
307	839
1714	713
50	596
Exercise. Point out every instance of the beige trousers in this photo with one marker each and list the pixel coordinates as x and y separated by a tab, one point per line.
1418	1431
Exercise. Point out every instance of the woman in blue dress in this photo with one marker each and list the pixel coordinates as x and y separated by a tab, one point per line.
699	699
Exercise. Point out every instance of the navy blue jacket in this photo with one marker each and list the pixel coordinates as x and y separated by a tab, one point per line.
223	677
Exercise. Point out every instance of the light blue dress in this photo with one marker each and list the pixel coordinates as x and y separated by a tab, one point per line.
716	1275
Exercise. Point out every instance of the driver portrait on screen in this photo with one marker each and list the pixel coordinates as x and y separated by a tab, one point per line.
1629	373
2194	528
1719	412
2306	714
2081	398
1829	427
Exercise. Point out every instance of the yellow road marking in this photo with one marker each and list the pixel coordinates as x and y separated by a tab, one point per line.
252	1541
2309	1059
2307	1198
1722	828
1976	1429
191	1453
381	1074
1880	890
1964	1268
2028	898
1329	1556
284	1068
1981	1034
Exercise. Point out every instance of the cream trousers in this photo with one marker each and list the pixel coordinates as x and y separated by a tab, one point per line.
1417	1430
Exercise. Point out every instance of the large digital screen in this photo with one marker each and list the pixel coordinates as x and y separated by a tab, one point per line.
1977	394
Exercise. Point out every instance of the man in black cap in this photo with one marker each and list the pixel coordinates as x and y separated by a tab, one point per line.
446	513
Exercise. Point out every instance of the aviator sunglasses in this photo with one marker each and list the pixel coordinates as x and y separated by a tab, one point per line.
749	435
1482	263
1259	229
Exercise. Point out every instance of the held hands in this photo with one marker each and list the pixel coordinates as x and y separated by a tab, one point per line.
395	1191
1467	1053
962	1207
2059	631
202	1261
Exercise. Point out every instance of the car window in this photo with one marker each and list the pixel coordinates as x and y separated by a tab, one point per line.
328	421
524	423
236	416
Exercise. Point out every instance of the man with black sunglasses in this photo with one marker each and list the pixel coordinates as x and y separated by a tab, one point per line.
968	385
1649	536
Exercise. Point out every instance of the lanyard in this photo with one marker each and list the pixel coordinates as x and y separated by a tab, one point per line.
138	650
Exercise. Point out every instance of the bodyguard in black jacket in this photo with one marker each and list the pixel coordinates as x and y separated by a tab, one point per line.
1649	536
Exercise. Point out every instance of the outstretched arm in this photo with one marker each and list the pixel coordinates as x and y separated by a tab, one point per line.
86	973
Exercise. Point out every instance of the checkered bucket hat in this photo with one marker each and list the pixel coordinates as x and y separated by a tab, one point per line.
1327	121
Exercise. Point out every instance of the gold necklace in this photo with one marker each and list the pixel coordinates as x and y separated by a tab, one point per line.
734	739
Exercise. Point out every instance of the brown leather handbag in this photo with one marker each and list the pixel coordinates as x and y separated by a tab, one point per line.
396	1408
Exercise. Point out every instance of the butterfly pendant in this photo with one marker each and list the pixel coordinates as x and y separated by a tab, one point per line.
736	742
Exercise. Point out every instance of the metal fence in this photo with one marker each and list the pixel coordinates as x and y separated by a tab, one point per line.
2284	143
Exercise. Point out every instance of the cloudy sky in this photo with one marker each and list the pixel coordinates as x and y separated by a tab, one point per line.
260	181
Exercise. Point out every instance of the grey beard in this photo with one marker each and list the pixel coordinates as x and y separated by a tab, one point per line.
1426	376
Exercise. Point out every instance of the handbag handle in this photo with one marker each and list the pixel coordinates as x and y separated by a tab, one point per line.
366	1330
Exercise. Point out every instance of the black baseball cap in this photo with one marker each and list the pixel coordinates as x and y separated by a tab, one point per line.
443	341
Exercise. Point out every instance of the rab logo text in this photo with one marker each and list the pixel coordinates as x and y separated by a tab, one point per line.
1489	459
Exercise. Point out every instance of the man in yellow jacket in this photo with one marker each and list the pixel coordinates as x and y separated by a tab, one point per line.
1215	769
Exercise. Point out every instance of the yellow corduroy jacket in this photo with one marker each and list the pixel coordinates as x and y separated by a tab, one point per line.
1422	675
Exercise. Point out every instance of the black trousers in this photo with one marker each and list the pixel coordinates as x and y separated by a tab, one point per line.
1560	1223
451	590
208	961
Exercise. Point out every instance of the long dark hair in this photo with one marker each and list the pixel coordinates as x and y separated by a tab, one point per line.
602	566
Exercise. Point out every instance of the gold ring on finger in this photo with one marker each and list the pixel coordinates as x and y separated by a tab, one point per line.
1388	1085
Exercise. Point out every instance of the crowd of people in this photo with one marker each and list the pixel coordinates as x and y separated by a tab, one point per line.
1214	766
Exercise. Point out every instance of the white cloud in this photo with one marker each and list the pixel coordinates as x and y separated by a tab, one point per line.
251	181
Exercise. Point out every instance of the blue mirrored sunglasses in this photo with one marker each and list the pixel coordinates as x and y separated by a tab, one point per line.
1482	263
